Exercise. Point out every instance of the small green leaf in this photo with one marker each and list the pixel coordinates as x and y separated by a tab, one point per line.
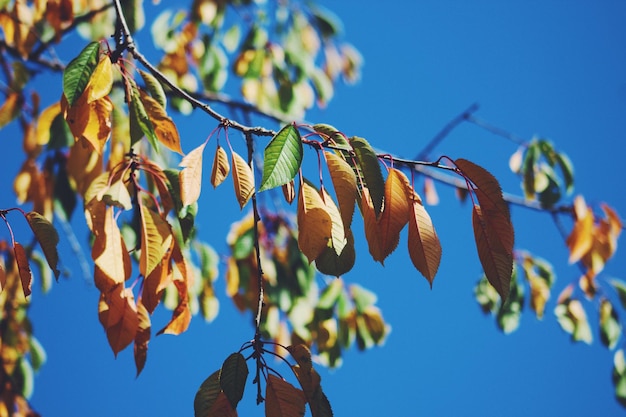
154	88
331	293
329	263
282	158
370	168
206	395
78	72
620	288
140	123
233	377
362	298
567	169
38	355
610	327
528	170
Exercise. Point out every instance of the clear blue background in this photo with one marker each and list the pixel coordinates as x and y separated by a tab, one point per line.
556	69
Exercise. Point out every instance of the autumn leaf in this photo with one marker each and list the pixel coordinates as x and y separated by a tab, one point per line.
154	87
338	236
23	268
221	168
10	109
44	123
395	214
47	237
282	399
164	127
139	121
344	182
580	240
101	80
289	191
424	245
282	158
233	376
329	263
243	179
190	178
113	265
156	236
314	222
118	314
370	169
142	337
181	316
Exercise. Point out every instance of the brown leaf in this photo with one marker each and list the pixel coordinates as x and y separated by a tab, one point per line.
190	177
314	223
113	265
424	245
580	240
91	121
26	277
370	222
344	182
221	168
121	321
221	407
289	191
395	212
282	399
142	337
157	280
163	125
243	179
181	316
10	109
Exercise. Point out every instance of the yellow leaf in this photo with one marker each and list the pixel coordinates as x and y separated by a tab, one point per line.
344	182
156	237
395	212
84	165
190	177
44	123
232	277
424	245
314	223
580	240
155	282
91	121
243	179
101	80
163	125
10	109
338	237
221	168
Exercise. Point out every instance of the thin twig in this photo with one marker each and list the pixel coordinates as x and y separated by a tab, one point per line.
496	130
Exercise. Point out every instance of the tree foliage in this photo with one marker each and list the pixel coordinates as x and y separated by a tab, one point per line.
109	147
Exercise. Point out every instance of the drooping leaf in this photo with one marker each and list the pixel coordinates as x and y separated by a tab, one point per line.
111	258
101	80
164	127
118	314
338	236
282	158
329	263
233	377
26	277
580	240
156	236
283	399
142	338
289	191
140	124
45	123
221	168
78	72
207	395
610	327
370	169
154	87
47	237
395	214
181	316
190	178
314	223
620	288
345	184
243	179
424	245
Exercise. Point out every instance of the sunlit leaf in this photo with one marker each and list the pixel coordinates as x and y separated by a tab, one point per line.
243	179
282	158
111	258
610	327
314	223
156	237
423	243
164	127
282	399
233	377
344	182
44	123
370	168
101	80
221	167
338	237
78	72
190	178
395	214
181	316
580	240
26	277
154	87
118	313
47	237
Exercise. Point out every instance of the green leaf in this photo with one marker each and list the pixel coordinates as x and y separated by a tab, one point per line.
619	377
620	288
233	377
331	293
567	169
329	263
47	237
38	355
610	327
78	72
282	158
528	170
206	395
370	168
140	123
154	87
362	298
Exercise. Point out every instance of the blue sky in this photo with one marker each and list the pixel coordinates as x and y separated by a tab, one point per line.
555	69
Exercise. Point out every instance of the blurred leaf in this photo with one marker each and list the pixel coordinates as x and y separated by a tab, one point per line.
620	288
362	297
610	327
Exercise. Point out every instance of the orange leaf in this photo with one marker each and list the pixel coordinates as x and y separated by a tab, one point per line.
155	282
309	380
344	182
395	212
10	109
289	191
142	337
164	127
424	245
3	278
91	121
243	179
24	269
112	260
156	238
190	177
181	316
118	315
580	240
314	223
302	354
372	234
496	259
282	399
221	168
